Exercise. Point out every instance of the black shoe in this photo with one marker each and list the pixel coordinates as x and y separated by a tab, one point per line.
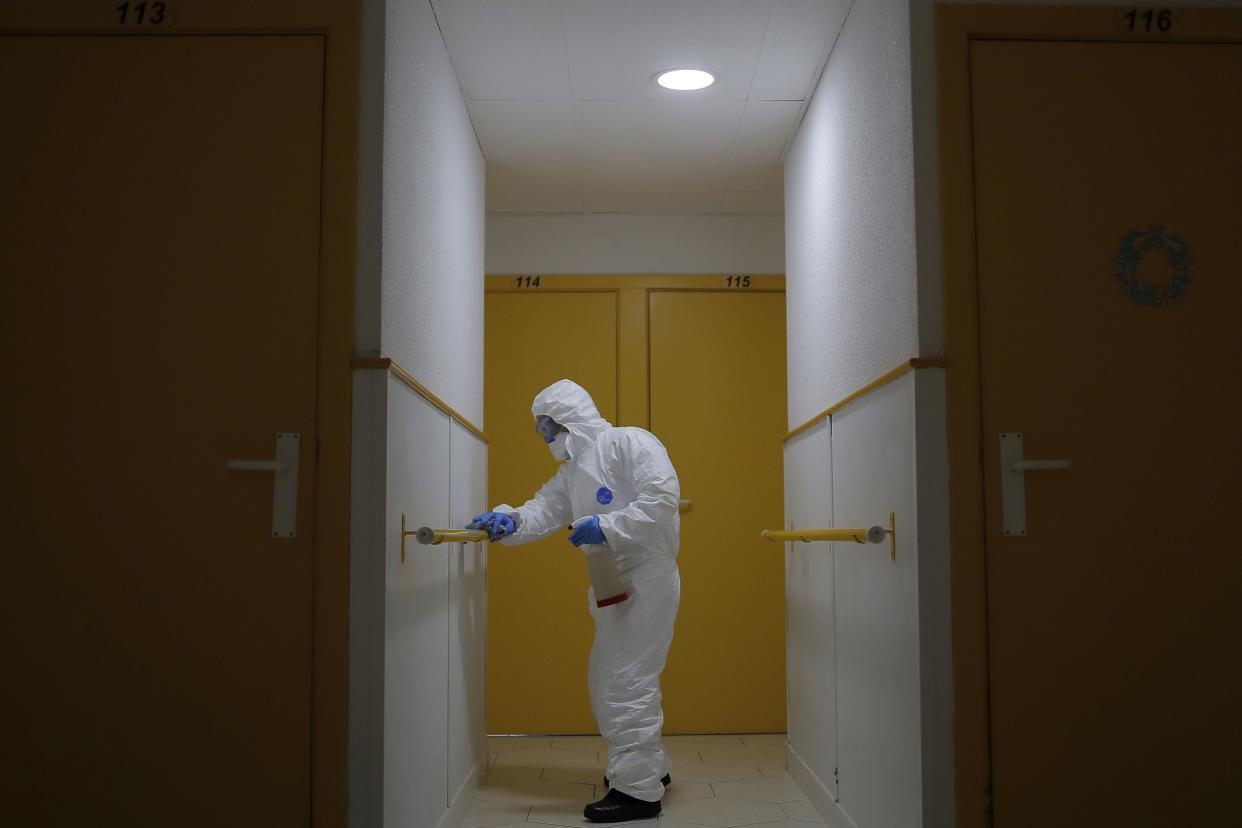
619	807
666	781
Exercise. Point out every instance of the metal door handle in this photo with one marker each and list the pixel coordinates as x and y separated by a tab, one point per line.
1013	481
284	483
684	505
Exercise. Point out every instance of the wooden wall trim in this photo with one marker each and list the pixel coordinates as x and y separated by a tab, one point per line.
387	364
904	368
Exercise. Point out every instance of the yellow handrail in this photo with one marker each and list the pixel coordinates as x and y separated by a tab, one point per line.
427	535
874	534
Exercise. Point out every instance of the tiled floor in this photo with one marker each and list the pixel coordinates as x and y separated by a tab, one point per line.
719	781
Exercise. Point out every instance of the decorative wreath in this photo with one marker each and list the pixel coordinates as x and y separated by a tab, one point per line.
1134	245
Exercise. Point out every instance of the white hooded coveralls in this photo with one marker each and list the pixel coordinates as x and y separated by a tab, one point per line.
624	476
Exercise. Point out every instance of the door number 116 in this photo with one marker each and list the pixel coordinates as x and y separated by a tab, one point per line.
1145	20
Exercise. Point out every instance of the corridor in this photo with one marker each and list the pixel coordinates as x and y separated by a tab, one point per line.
907	329
722	781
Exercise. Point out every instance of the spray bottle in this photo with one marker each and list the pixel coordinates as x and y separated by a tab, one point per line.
602	567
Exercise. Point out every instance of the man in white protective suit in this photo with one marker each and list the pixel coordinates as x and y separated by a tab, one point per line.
615	486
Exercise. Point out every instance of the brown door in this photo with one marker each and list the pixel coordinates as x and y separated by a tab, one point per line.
1108	214
160	226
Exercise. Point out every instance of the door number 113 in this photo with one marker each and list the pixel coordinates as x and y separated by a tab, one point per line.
155	13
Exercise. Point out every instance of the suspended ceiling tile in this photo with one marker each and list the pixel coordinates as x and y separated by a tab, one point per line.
535	201
622	199
660	179
615	47
766	126
532	175
750	175
798	39
507	49
533	187
659	191
529	130
753	202
637	136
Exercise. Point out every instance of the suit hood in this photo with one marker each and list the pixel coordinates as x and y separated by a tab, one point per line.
569	404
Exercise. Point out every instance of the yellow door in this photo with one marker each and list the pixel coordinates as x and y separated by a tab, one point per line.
1107	182
706	371
539	632
718	403
160	259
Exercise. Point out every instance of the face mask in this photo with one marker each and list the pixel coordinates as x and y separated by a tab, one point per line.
559	447
546	427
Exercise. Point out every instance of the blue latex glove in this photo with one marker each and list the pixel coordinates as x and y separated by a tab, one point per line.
497	524
587	531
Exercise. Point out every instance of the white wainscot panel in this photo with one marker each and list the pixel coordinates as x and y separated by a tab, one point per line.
873	472
467	749
809	609
416	625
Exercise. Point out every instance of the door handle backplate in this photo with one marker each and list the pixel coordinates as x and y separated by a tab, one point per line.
1014	467
284	483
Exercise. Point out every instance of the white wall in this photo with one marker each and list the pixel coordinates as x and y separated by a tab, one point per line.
878	699
635	244
849	208
432	172
416	634
854	305
416	629
869	663
435	622
810	610
467	648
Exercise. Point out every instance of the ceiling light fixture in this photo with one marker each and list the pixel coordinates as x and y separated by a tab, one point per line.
685	80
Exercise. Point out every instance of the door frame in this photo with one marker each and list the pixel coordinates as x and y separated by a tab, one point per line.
956	27
339	25
633	316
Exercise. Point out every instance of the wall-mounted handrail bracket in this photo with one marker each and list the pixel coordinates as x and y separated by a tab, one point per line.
404	534
892	536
